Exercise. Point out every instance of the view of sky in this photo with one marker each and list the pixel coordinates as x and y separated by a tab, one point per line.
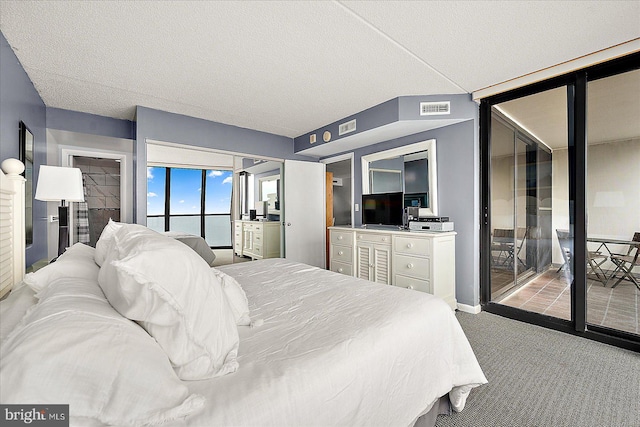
186	186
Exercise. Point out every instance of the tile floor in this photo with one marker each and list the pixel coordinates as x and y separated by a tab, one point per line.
549	293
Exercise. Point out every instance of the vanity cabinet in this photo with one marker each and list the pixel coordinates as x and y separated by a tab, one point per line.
420	261
257	239
373	257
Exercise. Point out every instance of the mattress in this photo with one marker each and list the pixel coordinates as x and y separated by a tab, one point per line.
337	350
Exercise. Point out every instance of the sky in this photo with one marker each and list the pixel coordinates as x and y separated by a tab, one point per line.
186	185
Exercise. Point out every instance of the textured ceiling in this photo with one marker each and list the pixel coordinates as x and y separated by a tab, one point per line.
291	67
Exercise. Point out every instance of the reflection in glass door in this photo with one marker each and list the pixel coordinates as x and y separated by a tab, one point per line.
531	240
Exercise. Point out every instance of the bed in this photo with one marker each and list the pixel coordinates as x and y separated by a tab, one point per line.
276	342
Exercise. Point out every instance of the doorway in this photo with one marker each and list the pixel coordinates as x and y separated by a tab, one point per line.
101	181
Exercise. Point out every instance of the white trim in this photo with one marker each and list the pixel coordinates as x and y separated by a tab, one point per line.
67	153
12	193
342	157
473	309
429	146
211	150
601	56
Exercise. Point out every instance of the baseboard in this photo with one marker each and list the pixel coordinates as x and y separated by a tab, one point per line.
473	309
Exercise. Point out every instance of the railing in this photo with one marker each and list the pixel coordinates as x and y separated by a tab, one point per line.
214	228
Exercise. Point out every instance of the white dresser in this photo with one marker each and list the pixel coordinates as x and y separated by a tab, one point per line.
257	239
415	260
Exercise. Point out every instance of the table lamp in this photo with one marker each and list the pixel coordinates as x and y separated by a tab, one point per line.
60	184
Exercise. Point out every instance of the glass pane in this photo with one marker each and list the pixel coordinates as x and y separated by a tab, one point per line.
218	192
502	207
532	245
613	202
189	224
156	223
156	182
186	185
217	230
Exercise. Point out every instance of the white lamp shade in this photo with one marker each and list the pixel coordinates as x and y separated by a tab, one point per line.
59	183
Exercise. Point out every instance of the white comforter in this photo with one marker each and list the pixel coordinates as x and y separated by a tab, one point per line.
336	350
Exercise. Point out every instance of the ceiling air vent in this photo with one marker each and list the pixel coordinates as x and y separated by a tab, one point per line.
435	108
347	127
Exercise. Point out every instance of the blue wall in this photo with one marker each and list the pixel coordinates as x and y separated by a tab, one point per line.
170	127
74	121
457	149
20	101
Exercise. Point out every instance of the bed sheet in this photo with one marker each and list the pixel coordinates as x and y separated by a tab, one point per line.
337	350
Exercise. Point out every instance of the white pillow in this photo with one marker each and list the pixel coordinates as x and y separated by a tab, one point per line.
170	290
104	243
76	261
236	296
73	347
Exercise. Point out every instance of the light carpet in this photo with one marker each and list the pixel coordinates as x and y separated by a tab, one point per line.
541	377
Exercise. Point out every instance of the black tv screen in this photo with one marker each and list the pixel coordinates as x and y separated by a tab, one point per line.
382	209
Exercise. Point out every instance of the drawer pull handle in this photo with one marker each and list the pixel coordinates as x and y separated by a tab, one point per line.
340	270
384	239
339	237
409	245
409	287
359	237
410	265
340	253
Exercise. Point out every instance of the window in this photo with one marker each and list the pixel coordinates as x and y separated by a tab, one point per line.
193	201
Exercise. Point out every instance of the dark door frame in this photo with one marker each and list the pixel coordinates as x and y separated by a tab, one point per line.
576	83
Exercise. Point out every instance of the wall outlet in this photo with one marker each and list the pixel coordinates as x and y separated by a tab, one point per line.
357	207
53	218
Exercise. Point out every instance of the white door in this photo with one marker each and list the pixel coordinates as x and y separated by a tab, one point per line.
304	212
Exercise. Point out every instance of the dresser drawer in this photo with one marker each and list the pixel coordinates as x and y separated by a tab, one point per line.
341	267
411	266
257	238
384	239
342	238
341	253
257	250
412	246
412	283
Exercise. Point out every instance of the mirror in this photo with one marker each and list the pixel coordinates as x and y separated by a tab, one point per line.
257	231
26	157
411	169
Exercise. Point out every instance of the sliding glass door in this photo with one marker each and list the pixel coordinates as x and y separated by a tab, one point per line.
524	220
613	202
561	203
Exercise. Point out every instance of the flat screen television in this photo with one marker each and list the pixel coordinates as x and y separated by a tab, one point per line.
382	209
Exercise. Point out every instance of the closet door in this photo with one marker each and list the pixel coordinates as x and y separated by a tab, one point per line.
304	212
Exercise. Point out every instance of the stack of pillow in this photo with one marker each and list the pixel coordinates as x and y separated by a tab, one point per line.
117	327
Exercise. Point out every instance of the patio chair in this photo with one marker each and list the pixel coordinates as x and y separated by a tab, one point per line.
503	244
595	259
625	263
565	240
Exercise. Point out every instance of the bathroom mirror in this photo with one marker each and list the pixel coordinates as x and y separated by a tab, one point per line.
411	169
